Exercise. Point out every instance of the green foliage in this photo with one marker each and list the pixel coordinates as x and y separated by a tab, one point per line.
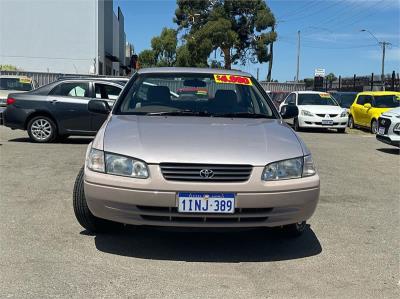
331	77
147	58
8	67
164	47
238	28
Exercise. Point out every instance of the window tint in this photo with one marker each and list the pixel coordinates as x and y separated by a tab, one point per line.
361	100
78	89
389	101
291	99
316	99
22	84
106	91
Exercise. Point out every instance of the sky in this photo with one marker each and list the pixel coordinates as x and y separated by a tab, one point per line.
330	34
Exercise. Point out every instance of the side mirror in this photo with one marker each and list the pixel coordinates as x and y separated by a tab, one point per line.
99	107
289	111
367	105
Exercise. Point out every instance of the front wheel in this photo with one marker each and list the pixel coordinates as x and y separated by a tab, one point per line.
351	122
374	126
82	213
295	229
42	129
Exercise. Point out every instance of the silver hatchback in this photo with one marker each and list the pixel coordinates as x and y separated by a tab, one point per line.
195	148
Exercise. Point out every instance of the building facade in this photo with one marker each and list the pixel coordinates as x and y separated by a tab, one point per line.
82	37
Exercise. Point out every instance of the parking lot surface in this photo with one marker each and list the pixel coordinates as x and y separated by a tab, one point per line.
350	251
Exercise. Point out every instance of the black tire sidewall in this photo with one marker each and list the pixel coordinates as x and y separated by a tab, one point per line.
351	122
53	129
372	126
296	124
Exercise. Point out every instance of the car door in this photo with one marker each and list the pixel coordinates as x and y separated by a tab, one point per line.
357	109
290	100
365	112
103	91
68	103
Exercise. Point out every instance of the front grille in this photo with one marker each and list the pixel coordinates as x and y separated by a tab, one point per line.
330	115
385	123
171	214
320	124
205	172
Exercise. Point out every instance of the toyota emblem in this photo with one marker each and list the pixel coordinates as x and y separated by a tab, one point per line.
206	173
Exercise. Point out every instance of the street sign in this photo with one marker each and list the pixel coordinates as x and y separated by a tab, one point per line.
319	73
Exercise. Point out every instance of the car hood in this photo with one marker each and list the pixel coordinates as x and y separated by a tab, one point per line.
181	139
4	93
321	109
392	112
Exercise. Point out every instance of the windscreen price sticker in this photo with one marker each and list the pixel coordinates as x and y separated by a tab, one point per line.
232	79
25	80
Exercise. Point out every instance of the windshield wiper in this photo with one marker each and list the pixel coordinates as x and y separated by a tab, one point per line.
179	113
243	115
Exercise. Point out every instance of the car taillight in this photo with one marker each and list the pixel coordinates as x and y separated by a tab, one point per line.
10	101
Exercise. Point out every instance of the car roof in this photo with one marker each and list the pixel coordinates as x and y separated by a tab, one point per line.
121	79
95	79
309	92
191	70
379	93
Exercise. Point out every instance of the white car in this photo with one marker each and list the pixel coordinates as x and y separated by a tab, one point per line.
389	127
316	110
14	84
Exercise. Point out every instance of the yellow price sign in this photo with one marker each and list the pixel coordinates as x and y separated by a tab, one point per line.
232	79
25	80
324	95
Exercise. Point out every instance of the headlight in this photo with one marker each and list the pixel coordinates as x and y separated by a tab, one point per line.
95	160
120	165
116	164
306	113
343	114
396	128
289	169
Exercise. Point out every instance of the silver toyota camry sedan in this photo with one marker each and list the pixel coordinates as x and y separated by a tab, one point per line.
190	147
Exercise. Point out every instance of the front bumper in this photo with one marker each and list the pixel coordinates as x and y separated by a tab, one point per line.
316	122
388	140
154	201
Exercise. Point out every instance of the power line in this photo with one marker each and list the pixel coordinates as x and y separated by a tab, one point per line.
299	10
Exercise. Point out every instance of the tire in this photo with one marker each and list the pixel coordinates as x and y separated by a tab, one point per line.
295	230
82	213
42	129
374	126
350	123
341	130
296	125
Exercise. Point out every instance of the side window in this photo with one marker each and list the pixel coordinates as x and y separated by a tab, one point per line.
106	92
368	99
78	89
291	99
361	100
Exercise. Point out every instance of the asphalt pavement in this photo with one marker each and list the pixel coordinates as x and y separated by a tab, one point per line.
350	251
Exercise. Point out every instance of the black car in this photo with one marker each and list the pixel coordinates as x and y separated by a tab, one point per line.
60	109
344	99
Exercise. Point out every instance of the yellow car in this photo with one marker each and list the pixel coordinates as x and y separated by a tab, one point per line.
368	106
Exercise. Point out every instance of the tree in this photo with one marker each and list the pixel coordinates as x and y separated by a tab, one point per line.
237	28
147	58
164	47
330	78
8	67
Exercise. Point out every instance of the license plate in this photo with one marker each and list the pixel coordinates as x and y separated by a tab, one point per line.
327	122
381	131
223	203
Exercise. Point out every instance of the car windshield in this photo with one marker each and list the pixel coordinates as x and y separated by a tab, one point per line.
389	101
346	100
22	84
316	99
182	94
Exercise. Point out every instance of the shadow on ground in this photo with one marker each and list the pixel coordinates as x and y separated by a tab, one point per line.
75	140
255	245
392	150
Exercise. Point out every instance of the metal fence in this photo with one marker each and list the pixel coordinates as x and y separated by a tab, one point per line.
43	78
283	87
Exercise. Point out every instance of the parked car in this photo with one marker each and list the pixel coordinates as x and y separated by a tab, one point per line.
59	109
368	106
316	110
14	84
228	161
389	127
344	99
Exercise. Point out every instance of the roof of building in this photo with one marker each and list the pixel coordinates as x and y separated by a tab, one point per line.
192	70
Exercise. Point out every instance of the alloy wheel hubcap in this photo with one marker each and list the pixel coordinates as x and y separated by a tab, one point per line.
374	127
41	129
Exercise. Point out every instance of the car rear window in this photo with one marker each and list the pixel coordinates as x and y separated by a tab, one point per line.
21	84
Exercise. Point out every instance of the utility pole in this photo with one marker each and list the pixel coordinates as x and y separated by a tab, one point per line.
298	56
258	70
383	44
